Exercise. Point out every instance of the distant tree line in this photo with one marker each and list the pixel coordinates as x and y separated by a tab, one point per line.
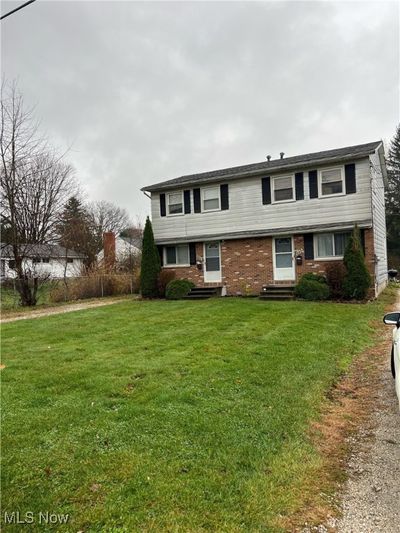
393	201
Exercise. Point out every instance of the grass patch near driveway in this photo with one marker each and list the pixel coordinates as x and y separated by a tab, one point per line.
171	416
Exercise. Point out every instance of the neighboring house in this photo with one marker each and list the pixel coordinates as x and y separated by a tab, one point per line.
120	249
269	223
42	259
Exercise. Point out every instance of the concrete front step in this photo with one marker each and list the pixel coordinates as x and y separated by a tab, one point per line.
279	287
277	292
203	290
201	293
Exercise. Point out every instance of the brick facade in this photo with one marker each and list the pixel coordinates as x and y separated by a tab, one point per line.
247	264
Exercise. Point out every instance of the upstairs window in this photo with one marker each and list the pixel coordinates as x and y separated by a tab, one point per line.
331	245
331	181
283	189
175	204
176	255
211	199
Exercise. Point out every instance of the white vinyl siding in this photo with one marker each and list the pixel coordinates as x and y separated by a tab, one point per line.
331	181
247	213
56	268
176	255
379	223
283	189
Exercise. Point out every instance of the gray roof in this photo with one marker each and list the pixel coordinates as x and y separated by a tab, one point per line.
41	250
299	161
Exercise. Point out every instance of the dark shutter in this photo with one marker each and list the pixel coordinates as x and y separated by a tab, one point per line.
224	196
362	239
266	190
299	181
163	210
313	183
186	201
196	200
308	246
350	178
192	253
160	253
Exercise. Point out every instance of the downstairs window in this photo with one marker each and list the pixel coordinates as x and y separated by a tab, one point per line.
331	245
176	255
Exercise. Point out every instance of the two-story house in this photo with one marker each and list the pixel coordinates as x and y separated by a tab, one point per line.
270	222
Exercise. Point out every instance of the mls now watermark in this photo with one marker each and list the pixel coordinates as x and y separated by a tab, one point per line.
41	517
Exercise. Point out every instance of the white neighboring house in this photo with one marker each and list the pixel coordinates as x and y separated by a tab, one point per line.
43	259
125	247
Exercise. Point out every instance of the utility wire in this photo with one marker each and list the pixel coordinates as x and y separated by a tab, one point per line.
17	9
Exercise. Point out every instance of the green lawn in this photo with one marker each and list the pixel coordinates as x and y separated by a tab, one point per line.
170	416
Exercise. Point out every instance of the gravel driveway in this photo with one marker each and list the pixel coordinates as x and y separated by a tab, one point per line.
371	500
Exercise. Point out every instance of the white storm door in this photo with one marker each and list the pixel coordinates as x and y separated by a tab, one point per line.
284	268
212	262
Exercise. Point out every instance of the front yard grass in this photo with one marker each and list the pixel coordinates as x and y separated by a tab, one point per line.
171	416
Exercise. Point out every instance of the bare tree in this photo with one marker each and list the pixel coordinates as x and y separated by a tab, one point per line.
134	233
35	184
107	216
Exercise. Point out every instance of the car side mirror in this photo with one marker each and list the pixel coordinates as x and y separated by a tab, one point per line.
392	319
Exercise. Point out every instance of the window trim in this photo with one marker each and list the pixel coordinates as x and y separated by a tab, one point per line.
176	265
328	257
343	193
202	190
167	204
273	178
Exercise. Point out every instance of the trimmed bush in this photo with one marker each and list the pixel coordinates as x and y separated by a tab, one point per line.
312	287
150	266
335	274
311	276
178	288
357	280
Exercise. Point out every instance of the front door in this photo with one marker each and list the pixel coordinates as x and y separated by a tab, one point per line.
212	262
284	269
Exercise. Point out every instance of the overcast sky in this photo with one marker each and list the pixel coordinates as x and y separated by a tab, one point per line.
146	91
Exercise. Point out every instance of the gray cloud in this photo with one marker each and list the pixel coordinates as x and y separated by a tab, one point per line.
147	91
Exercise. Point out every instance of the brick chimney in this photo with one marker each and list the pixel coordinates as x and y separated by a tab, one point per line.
109	249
